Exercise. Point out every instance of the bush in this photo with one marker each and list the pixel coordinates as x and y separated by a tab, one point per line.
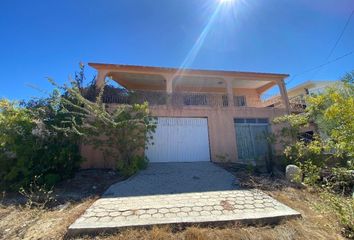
136	163
340	180
328	158
30	145
42	137
120	133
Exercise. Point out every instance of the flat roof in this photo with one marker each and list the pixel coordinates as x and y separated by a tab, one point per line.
151	69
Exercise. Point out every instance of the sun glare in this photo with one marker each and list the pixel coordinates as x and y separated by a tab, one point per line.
223	10
226	1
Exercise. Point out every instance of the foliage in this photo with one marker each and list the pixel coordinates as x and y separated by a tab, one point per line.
42	137
121	132
340	180
342	208
328	158
30	145
292	124
333	113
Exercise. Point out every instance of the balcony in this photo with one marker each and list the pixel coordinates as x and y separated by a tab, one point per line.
181	87
178	99
158	98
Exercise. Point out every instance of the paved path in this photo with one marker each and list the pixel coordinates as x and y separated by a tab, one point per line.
171	178
178	193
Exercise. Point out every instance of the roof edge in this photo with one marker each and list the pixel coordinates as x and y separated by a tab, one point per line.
105	66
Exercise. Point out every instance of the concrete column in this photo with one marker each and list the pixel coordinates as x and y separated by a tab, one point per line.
230	92
169	88
169	84
284	95
100	79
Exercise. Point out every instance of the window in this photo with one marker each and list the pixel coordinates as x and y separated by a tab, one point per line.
251	120
195	100
225	101
240	101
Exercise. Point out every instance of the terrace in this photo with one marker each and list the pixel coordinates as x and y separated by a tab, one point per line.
190	88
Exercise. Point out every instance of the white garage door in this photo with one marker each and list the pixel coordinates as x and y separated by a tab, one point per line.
180	140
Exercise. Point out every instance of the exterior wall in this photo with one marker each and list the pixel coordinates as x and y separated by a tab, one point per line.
93	158
222	135
252	96
312	85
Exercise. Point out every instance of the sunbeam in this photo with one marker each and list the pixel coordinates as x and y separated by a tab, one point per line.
193	53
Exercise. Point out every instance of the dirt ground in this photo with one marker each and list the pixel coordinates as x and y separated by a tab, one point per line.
21	222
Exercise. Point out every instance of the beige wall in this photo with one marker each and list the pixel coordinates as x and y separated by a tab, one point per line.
222	136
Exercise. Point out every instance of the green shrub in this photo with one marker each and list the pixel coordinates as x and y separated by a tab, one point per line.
51	179
311	172
30	146
42	137
137	163
341	180
331	149
121	133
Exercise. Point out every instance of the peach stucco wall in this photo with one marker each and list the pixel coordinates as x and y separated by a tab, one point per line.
222	136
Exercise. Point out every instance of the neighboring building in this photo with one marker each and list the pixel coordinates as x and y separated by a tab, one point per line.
308	88
298	93
203	115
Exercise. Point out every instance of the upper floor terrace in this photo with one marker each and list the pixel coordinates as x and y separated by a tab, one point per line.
190	88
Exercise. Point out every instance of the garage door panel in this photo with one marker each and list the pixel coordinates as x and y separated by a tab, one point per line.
180	140
252	145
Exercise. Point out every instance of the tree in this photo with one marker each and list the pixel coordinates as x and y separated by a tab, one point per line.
332	112
121	132
31	147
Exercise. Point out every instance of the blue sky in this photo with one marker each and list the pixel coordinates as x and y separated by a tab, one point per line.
42	39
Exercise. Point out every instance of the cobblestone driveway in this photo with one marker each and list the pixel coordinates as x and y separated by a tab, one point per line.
178	193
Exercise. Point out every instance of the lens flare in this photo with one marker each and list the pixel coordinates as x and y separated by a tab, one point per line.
226	1
221	7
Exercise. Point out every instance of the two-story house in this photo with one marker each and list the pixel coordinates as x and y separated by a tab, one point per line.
202	115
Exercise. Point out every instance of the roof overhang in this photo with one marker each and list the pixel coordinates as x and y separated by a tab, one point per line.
131	76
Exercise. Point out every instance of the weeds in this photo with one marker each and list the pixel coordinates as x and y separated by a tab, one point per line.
37	196
342	208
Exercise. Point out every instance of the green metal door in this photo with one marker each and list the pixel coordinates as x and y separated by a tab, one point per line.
252	145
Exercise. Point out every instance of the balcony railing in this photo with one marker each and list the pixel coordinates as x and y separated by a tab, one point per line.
178	99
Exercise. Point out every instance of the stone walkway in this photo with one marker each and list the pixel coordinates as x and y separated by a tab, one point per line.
215	204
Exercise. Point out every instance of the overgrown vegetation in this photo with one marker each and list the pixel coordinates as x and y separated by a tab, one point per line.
327	159
32	223
40	139
31	146
120	133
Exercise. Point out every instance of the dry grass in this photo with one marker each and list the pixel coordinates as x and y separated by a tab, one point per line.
312	226
24	223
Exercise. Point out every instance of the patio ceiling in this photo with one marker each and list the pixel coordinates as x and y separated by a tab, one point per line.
140	77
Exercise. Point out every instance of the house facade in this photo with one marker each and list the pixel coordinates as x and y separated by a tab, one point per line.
202	115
